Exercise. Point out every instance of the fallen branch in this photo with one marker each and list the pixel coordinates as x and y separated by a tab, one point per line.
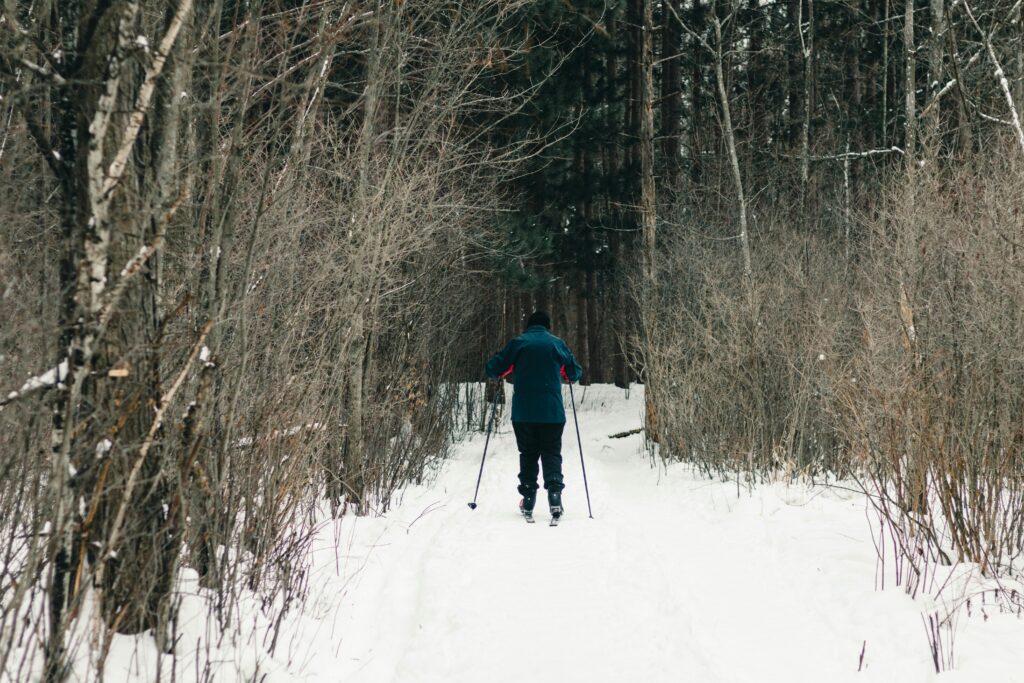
622	435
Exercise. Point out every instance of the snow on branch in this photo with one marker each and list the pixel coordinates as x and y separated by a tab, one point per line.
1000	76
952	83
42	71
55	376
859	155
850	155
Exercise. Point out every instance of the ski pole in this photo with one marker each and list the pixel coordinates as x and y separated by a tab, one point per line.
494	407
583	465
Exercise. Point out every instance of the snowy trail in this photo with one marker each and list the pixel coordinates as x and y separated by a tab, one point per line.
676	579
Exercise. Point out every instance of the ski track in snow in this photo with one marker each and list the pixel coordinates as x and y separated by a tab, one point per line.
677	578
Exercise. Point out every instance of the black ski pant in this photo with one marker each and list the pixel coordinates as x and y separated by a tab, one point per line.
543	441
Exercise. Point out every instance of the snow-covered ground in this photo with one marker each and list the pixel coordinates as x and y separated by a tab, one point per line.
677	578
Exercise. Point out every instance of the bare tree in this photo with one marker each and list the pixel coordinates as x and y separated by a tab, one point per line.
236	186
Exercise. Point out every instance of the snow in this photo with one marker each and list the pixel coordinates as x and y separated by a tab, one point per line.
677	578
140	255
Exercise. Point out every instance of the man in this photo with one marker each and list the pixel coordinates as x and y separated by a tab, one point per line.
538	361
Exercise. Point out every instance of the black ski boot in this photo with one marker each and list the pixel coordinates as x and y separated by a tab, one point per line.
526	505
555	503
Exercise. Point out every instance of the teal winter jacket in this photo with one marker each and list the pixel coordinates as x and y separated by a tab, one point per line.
537	360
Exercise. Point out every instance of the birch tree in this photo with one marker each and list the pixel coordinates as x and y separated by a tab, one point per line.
104	83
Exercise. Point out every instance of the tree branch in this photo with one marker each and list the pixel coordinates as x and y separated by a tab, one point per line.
134	266
147	444
1000	76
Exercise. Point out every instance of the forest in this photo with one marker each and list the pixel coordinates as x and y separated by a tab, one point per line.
254	255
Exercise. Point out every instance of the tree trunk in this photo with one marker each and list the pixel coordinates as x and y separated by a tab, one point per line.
1019	94
105	534
936	79
648	203
855	129
756	77
353	450
887	79
634	110
648	198
730	140
595	353
582	340
909	87
795	71
618	315
671	96
697	94
807	48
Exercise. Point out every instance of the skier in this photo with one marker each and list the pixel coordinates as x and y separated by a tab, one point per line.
536	359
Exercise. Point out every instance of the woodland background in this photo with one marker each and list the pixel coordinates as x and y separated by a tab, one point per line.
253	256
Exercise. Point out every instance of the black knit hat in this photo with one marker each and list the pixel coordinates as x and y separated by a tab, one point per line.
539	318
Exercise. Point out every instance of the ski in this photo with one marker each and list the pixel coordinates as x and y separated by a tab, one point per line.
556	514
553	522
